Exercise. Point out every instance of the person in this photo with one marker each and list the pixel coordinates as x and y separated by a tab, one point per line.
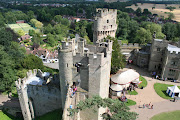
143	105
151	106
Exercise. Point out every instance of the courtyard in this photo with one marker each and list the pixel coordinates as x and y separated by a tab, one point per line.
149	95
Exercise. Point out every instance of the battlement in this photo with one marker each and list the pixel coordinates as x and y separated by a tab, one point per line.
130	45
100	12
33	77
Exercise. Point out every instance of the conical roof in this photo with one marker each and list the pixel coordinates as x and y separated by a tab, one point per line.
125	77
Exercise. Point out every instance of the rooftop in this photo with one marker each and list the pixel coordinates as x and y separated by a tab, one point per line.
173	48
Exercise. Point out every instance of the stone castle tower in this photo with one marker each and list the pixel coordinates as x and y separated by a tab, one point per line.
104	24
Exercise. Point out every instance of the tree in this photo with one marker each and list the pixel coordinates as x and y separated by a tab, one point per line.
117	60
152	27
139	11
20	33
32	62
117	108
170	30
48	29
171	16
30	15
50	40
143	36
31	32
7	71
58	18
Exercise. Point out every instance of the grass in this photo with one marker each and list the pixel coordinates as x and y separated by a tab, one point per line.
132	92
161	90
6	116
144	82
174	115
130	102
54	115
22	26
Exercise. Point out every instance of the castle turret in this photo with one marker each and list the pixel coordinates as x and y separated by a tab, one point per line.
65	68
104	24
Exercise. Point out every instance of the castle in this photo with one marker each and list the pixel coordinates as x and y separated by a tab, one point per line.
160	56
104	24
87	65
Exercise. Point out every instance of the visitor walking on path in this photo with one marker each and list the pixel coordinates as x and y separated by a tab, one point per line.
152	107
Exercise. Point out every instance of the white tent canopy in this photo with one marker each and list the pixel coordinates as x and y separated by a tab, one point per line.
172	90
116	87
125	77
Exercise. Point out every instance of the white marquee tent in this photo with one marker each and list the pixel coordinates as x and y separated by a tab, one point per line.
125	77
173	91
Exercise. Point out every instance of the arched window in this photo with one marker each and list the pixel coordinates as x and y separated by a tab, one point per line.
107	21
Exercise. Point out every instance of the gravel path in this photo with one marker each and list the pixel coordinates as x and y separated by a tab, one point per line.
148	95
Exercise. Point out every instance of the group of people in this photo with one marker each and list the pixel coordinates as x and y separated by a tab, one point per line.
148	106
73	90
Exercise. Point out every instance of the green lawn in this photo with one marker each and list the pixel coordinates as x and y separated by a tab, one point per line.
54	115
174	115
130	102
144	82
4	116
132	92
161	90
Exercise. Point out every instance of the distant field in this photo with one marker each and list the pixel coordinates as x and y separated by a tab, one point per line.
160	9
21	26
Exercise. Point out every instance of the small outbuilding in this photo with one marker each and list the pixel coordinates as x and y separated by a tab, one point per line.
173	91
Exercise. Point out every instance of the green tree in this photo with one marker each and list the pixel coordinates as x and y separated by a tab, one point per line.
50	40
48	29
117	108
7	71
117	60
32	62
152	27
171	16
143	36
20	33
139	11
31	32
170	30
30	15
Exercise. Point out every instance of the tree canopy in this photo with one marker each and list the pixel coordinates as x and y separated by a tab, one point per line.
118	110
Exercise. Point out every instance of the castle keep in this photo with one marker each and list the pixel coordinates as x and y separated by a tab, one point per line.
87	65
104	24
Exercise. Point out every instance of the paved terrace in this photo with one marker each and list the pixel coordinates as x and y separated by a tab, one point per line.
148	95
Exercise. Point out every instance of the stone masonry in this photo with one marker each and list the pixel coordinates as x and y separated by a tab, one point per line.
104	24
37	100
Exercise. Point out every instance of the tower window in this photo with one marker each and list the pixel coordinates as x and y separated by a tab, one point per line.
67	64
158	49
107	21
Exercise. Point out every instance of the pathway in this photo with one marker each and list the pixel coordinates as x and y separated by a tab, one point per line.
148	95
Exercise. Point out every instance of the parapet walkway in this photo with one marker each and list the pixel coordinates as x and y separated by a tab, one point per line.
148	95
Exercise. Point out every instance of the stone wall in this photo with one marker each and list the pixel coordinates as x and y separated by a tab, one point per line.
171	66
37	100
104	24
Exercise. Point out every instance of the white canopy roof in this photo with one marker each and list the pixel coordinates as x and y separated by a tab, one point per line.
174	89
116	87
34	81
125	77
172	48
